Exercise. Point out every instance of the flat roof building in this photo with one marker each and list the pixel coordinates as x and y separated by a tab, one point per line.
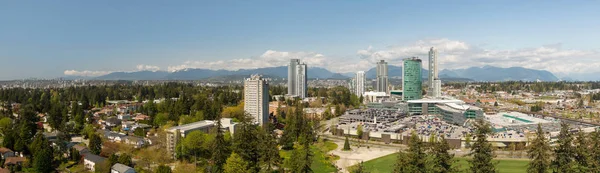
175	134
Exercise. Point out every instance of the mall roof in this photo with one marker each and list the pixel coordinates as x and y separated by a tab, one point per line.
436	101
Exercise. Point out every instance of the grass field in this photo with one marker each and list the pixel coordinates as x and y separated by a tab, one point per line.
385	164
321	161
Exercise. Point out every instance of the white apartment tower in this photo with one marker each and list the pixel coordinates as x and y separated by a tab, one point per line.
256	99
360	80
382	76
434	83
297	75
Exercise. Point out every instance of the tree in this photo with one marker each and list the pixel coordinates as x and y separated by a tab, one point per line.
221	149
163	169
102	167
416	154
75	155
468	139
300	159
360	168
95	144
245	144
595	152
346	145
496	104
113	159
442	160
125	159
236	164
538	151
564	152
359	131
582	155
270	157
481	151
402	163
42	161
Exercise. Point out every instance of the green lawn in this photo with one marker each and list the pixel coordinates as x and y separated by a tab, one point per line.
321	162
385	164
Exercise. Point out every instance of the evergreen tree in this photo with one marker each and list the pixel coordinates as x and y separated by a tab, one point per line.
416	154
42	160
481	150
582	152
564	152
300	159
236	164
245	144
221	149
403	164
95	144
113	159
442	160
75	155
595	151
346	145
270	157
538	152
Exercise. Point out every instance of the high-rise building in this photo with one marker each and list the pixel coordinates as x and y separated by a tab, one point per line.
382	76
412	79
359	83
434	83
297	75
256	99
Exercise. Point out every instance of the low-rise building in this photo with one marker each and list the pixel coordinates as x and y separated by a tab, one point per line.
174	134
6	153
120	168
91	160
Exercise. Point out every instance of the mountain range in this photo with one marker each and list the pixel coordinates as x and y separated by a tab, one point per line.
486	73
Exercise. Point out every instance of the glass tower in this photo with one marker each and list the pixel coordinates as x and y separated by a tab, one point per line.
412	79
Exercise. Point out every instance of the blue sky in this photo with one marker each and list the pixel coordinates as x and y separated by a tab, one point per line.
48	39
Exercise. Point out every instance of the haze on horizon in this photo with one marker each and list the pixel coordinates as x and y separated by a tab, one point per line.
45	39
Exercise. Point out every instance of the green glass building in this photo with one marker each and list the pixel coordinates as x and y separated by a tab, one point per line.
412	79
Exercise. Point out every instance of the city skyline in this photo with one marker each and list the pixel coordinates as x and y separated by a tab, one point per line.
78	38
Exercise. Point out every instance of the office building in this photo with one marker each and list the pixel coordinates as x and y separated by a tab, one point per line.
382	76
434	83
411	79
359	83
297	75
256	99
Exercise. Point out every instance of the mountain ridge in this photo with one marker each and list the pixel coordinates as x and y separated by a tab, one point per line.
485	73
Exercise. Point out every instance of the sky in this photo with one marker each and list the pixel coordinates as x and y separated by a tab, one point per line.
49	39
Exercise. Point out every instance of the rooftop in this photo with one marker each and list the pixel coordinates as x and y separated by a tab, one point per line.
191	126
120	168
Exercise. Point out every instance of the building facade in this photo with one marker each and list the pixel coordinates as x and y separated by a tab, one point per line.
297	78
412	79
434	83
382	76
256	99
359	83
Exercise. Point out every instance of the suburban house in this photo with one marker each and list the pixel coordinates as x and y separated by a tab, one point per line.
13	161
90	161
112	122
120	168
83	150
124	117
137	142
6	153
141	117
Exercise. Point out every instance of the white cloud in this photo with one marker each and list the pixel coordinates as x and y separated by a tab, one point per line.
92	73
270	58
455	54
85	73
143	67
